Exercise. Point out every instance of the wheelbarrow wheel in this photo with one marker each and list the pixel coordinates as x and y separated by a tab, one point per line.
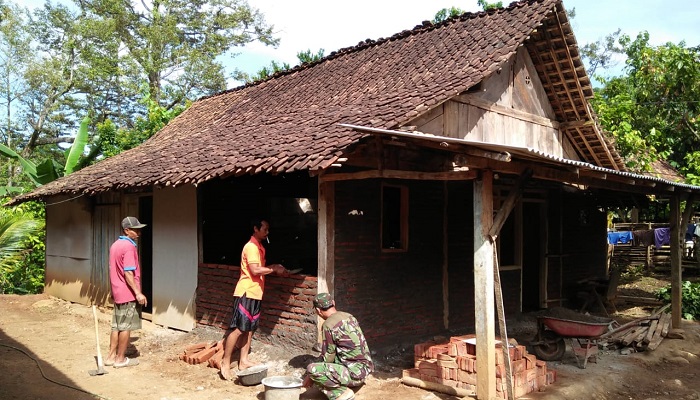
551	348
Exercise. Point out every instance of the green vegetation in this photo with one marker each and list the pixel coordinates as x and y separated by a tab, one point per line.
115	72
653	111
266	72
690	307
22	248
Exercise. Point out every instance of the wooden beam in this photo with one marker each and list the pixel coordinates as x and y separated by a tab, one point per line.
584	177
445	259
393	174
326	242
508	204
508	112
676	273
575	124
484	288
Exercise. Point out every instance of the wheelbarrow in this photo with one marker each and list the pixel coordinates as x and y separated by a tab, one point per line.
550	344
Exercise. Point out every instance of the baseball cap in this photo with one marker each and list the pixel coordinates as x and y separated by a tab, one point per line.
323	301
132	223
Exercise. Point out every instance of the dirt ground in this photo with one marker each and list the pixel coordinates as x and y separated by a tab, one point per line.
47	346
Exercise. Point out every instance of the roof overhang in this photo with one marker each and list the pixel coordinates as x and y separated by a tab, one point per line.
515	160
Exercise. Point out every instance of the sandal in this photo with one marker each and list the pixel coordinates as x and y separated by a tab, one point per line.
128	362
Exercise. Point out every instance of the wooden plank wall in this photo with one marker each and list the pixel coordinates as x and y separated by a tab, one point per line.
510	107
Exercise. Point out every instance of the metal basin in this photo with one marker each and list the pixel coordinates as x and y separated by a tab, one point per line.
252	376
282	388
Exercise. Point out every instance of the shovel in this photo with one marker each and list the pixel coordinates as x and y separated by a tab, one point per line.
100	365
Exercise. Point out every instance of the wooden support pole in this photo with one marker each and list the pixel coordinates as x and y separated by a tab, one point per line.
326	242
484	288
676	274
445	259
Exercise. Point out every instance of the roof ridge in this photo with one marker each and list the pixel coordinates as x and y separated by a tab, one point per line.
425	26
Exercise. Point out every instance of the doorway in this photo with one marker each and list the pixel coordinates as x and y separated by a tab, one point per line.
534	241
145	215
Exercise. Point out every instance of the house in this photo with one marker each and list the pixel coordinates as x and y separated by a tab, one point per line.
391	172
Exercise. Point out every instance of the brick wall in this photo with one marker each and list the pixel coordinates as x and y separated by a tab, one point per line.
394	295
288	317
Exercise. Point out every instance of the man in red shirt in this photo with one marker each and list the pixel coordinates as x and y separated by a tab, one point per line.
125	280
247	297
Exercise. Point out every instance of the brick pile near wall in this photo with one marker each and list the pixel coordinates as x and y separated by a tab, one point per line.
453	364
288	317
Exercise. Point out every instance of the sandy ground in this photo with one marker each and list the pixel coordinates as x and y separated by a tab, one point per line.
60	336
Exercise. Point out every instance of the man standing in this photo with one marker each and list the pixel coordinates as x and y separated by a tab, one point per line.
248	297
346	358
125	279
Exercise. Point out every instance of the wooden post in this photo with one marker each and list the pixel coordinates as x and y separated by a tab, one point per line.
326	242
445	261
484	288
676	274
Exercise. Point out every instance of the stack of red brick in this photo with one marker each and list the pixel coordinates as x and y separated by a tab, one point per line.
453	363
210	352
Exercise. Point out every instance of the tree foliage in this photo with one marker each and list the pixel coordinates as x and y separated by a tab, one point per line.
174	43
129	63
265	72
690	294
485	5
653	110
112	140
22	249
446	13
601	53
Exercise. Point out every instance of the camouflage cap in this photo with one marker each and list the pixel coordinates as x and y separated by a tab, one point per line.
323	301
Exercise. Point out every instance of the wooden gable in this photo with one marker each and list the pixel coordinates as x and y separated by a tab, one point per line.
510	107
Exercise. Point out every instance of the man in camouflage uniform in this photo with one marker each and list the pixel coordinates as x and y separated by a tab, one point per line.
346	359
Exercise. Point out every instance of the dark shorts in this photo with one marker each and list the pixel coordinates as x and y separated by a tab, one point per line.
246	314
126	316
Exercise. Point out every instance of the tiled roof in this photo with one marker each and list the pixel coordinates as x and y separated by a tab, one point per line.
290	122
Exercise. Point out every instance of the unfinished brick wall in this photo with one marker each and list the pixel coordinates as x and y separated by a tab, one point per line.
453	363
394	295
288	317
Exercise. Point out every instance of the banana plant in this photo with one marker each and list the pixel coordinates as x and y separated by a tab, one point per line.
48	170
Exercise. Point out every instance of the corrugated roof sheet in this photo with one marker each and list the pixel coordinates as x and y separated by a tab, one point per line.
523	153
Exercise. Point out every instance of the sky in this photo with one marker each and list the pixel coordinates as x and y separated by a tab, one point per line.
332	25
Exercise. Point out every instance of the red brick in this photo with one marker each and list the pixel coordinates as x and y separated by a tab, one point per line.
215	361
531	361
411	373
194	348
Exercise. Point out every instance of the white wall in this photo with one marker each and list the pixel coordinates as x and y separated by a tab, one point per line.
175	256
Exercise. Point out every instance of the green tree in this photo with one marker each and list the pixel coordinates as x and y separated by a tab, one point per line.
15	47
110	59
601	53
654	109
112	140
446	13
265	72
485	5
175	43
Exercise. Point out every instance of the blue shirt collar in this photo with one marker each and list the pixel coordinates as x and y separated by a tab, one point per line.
128	238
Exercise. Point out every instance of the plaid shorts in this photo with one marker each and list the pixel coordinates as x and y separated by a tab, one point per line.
126	316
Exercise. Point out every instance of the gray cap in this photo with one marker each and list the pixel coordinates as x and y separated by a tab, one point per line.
132	223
